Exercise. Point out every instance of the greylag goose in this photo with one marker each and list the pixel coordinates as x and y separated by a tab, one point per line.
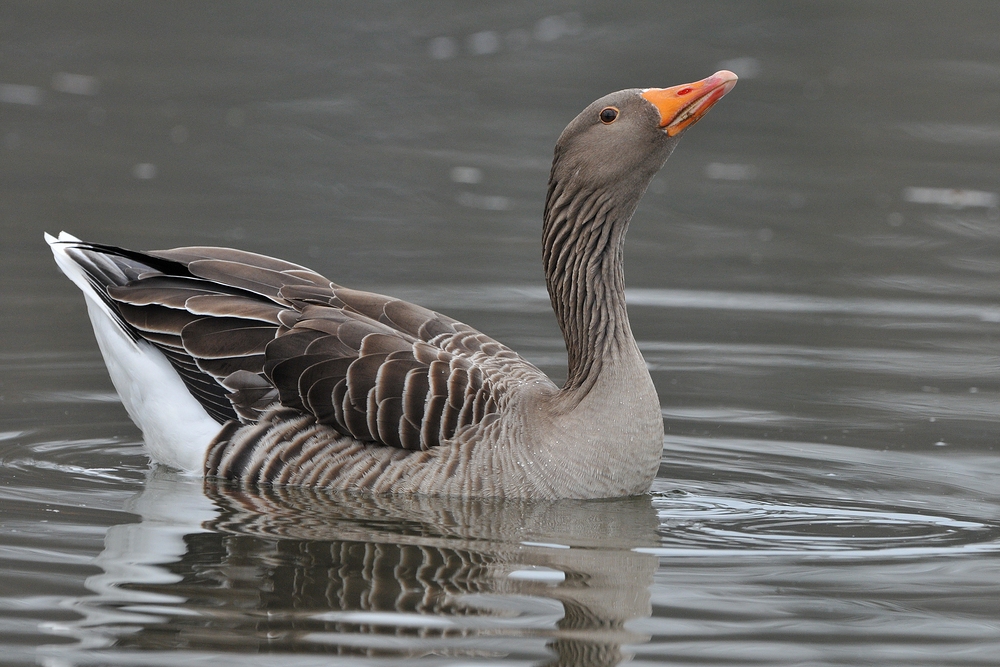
244	367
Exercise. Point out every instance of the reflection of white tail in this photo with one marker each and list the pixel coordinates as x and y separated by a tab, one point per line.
171	506
176	428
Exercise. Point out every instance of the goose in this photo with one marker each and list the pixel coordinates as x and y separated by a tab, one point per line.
247	368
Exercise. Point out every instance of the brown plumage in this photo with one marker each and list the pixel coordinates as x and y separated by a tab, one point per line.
357	362
312	383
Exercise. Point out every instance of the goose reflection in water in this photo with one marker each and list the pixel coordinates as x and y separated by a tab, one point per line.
300	572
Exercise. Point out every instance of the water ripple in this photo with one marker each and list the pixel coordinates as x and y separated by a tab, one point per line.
707	526
740	498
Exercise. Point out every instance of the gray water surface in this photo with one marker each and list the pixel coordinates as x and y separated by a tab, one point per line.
814	280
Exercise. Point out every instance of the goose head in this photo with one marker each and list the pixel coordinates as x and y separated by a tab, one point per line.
619	142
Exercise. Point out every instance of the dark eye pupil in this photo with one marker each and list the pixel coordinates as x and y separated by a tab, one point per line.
608	115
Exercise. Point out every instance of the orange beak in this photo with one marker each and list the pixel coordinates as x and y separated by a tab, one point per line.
684	105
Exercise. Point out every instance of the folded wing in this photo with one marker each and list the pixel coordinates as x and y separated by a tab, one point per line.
245	331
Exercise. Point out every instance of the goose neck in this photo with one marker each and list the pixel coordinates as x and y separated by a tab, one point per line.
583	254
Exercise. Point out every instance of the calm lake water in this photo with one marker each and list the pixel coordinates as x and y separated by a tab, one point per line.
814	281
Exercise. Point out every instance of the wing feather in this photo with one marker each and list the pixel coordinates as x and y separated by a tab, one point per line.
225	337
416	393
390	417
245	331
156	318
329	345
224	305
284	375
322	401
259	280
361	376
222	368
325	375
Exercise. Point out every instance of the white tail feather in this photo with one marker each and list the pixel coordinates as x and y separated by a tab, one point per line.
176	429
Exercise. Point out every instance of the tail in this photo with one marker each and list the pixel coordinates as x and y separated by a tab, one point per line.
91	272
176	427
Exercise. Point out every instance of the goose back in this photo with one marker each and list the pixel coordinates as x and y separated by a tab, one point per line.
246	331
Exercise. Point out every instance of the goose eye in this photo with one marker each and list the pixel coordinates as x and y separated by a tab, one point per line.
608	115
